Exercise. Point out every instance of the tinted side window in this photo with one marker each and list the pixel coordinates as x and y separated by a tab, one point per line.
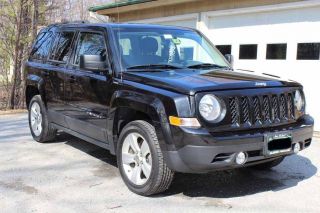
308	51
62	47
90	44
41	48
248	51
276	51
224	49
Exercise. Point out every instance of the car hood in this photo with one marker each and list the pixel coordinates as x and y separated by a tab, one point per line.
192	81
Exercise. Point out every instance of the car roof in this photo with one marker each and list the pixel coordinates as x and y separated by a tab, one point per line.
117	25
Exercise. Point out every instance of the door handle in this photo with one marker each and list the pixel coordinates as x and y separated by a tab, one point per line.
72	79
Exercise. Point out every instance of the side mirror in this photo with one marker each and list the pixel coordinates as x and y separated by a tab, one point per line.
229	58
93	62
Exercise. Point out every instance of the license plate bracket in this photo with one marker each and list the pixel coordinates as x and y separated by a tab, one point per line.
277	142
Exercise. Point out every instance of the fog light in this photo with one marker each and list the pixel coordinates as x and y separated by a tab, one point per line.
241	158
296	147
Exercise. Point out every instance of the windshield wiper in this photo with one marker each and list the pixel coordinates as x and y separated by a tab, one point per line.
206	65
154	66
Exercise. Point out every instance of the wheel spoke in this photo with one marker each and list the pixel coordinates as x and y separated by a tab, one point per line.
37	108
127	158
33	113
136	175
134	143
145	148
40	128
146	168
34	125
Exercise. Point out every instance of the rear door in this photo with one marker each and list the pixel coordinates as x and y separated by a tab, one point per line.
88	92
55	75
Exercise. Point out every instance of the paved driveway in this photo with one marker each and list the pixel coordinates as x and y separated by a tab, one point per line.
71	175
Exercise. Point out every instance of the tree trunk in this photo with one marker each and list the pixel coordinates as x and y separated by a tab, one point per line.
17	61
35	19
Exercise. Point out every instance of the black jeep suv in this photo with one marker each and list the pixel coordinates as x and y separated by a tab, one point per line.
162	99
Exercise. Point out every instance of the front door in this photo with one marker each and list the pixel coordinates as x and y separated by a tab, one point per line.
88	91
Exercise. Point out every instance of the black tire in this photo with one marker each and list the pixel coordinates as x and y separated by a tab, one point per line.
48	133
268	165
161	176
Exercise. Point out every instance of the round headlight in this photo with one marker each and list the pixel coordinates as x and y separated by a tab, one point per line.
298	100
211	108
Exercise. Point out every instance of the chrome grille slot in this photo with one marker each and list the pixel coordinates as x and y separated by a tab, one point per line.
290	106
266	108
256	110
245	110
234	108
275	109
283	111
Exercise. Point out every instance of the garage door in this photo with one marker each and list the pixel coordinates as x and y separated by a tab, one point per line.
284	43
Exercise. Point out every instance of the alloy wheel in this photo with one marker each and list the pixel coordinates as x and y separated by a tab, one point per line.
36	119
136	158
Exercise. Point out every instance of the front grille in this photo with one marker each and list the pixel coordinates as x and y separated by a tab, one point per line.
261	109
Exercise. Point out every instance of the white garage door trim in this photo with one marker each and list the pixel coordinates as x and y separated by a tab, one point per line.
169	18
267	8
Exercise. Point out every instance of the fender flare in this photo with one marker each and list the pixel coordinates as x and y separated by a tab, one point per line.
37	82
150	105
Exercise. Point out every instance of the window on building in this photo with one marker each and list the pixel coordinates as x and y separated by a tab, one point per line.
41	48
224	49
276	51
248	51
90	44
62	47
308	51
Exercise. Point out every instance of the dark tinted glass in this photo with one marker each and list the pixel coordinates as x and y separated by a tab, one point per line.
62	47
308	51
90	44
41	48
276	51
224	49
248	51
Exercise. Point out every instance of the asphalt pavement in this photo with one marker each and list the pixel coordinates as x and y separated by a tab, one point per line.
71	175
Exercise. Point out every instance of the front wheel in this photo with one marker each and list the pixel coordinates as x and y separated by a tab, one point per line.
40	127
140	160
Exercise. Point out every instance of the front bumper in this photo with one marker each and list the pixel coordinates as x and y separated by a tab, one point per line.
218	153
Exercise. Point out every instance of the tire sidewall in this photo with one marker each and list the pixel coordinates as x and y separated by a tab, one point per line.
135	127
44	123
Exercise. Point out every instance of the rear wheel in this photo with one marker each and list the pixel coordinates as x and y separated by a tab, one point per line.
140	160
268	165
41	129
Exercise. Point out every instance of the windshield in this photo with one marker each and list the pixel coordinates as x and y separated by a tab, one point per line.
139	47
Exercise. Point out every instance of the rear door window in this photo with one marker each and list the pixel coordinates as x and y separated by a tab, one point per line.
62	47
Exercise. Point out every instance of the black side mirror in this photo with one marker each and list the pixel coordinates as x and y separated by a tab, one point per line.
93	62
229	58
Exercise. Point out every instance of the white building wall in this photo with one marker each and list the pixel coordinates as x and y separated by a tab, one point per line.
290	23
286	25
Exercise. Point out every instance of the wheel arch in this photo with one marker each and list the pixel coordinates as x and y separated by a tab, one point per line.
35	86
127	106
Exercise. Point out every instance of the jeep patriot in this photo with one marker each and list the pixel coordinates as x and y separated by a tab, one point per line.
162	99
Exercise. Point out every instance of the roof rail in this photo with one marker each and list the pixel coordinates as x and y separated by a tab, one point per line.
75	22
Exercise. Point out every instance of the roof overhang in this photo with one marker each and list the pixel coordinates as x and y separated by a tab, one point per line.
133	5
